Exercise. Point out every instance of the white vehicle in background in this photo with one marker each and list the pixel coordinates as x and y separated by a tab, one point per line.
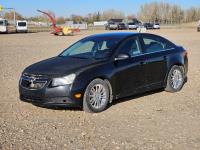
156	26
21	26
3	26
132	26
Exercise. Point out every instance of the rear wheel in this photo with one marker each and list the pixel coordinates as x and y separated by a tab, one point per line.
175	79
96	96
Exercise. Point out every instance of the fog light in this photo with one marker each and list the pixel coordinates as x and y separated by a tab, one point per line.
77	95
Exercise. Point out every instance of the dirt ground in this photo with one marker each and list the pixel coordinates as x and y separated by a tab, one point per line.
150	121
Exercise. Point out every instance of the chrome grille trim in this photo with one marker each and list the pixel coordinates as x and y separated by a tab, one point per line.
28	81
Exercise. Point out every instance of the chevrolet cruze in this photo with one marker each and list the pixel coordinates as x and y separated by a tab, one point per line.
101	68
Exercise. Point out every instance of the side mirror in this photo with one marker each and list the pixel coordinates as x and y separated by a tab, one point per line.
122	57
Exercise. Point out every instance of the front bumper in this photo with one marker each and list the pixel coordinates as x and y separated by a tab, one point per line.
22	31
57	96
57	101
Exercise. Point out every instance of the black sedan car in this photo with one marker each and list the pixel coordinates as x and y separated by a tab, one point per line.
122	26
101	68
148	25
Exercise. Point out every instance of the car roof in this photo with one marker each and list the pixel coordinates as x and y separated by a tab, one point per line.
123	35
120	35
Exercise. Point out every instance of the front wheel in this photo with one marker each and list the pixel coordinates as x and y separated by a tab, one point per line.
175	79
96	96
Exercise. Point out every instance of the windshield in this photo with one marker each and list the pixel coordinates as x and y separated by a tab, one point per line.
3	23
96	47
22	24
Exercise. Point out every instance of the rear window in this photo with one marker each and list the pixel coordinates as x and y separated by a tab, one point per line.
22	24
155	44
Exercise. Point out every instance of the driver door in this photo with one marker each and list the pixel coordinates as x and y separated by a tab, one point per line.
129	75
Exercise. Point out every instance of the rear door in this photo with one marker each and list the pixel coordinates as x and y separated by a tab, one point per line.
155	50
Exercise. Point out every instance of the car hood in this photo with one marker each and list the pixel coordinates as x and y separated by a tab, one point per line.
60	66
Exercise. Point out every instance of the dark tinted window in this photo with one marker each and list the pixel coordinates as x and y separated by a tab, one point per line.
22	24
155	43
131	47
3	23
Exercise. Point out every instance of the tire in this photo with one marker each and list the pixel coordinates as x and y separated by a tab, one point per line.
175	79
96	100
60	33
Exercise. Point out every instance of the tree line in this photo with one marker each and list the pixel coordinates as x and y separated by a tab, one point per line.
162	12
168	13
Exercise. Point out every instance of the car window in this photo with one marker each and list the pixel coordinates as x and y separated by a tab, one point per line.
99	47
82	48
155	44
22	24
103	45
1	23
131	47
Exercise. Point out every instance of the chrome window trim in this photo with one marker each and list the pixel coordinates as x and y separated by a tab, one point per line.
142	54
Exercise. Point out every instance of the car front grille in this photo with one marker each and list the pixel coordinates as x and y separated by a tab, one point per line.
34	82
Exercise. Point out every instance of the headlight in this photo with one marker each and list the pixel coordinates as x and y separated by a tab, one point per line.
64	80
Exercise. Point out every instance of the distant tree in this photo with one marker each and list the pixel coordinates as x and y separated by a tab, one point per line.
10	15
76	18
192	14
98	17
167	13
89	18
131	17
162	12
112	14
60	20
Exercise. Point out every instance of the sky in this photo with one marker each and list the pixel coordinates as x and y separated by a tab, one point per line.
82	7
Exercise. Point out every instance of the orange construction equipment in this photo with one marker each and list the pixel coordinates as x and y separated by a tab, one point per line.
59	30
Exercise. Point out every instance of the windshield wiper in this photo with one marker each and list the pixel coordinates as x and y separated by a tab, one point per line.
79	57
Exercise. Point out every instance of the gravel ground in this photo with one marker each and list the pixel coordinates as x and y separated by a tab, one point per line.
150	121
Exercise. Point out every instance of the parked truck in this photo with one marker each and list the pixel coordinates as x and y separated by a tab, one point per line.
21	26
3	26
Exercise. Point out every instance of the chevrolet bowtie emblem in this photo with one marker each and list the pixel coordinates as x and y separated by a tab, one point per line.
32	82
